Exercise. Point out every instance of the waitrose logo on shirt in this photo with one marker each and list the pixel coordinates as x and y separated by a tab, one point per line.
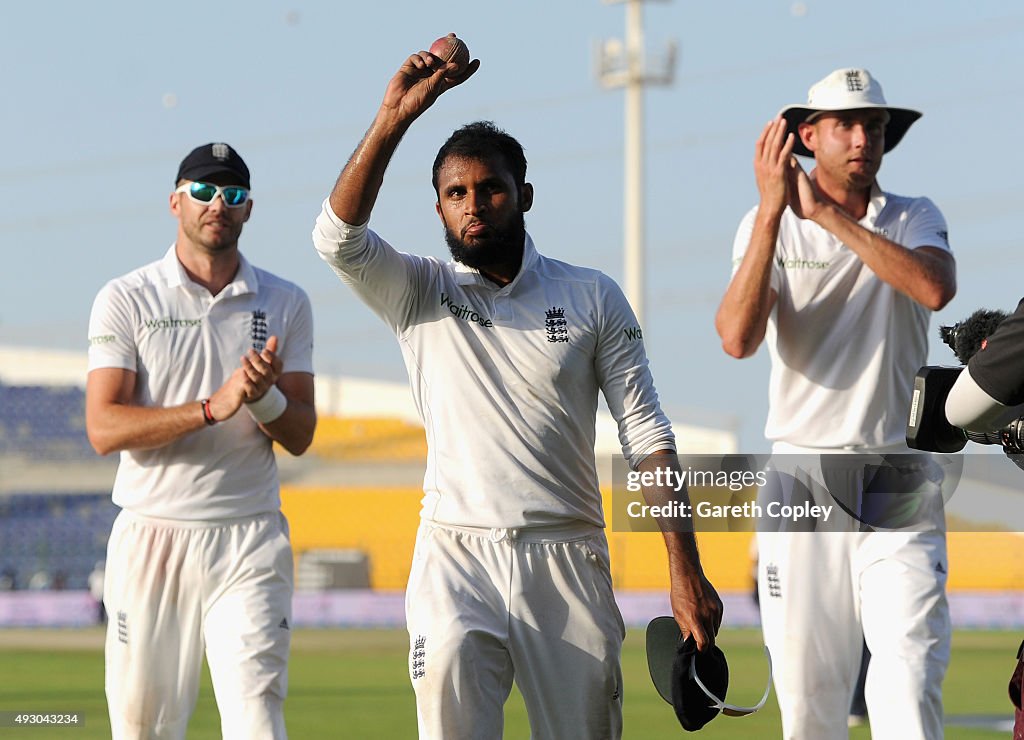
169	323
793	264
464	312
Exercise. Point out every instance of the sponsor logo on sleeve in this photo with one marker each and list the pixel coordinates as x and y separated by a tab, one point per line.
633	334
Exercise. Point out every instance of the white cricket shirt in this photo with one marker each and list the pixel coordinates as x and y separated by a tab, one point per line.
184	343
506	378
844	345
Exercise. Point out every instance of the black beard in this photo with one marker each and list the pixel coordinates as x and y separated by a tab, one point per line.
501	246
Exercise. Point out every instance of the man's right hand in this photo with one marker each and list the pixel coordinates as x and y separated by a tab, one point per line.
742	317
420	81
413	89
226	400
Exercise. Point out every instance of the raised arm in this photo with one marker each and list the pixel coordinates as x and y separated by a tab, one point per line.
742	316
414	88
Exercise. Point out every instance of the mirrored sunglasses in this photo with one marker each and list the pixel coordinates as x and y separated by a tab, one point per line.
204	193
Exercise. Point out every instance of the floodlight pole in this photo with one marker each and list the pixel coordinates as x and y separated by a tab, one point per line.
625	66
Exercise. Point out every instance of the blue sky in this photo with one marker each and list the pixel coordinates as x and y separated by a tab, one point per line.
102	100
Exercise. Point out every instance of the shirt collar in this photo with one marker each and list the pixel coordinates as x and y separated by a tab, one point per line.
875	204
174	272
465	275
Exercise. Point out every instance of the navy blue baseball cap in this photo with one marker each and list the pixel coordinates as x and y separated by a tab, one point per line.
214	159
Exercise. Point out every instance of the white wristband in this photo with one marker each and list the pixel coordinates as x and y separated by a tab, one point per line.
268	408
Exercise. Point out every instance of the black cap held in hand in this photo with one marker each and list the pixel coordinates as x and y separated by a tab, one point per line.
693	707
669	659
214	159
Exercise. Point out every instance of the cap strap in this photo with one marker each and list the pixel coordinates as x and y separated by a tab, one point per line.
732	710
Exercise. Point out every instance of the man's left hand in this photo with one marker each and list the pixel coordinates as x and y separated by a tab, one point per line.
262	369
805	200
697	609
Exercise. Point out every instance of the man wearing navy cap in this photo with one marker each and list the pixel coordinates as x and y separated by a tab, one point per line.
839	279
198	363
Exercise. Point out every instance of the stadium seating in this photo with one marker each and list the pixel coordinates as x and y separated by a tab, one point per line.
43	422
59	537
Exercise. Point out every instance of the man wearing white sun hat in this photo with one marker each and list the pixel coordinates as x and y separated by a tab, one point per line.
839	278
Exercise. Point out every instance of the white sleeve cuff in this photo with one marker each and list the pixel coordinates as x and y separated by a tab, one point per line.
347	229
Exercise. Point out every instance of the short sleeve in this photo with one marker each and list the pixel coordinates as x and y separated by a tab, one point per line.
297	352
926	227
112	331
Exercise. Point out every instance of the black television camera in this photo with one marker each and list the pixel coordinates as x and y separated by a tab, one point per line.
927	427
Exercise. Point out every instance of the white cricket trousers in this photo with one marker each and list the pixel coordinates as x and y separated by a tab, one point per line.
485	606
176	589
821	593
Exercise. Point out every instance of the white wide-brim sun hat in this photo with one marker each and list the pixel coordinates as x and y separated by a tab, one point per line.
847	89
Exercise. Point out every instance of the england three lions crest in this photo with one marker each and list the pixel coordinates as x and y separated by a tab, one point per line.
258	330
555	325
